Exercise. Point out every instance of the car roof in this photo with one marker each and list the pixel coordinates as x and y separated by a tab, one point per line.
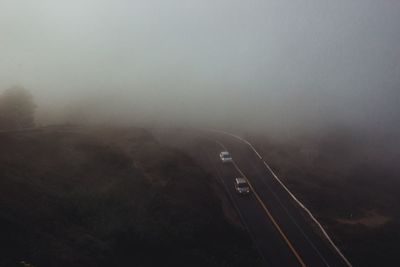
225	152
241	181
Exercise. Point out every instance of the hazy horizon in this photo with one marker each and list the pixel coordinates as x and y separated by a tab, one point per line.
278	65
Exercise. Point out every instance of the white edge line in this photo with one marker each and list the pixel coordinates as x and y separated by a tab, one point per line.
290	193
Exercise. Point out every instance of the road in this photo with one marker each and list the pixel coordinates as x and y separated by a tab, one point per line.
281	231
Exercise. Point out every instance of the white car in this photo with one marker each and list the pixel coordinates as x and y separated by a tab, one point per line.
225	156
241	186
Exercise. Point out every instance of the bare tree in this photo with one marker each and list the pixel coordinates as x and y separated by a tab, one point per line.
17	108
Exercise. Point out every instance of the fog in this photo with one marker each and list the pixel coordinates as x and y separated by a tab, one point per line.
281	66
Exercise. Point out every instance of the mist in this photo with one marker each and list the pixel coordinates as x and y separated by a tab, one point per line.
275	66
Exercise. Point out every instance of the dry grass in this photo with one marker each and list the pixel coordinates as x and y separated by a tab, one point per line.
350	184
370	219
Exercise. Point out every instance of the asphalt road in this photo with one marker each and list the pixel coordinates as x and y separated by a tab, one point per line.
281	231
283	234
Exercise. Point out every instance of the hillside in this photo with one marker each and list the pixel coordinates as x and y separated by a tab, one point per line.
110	197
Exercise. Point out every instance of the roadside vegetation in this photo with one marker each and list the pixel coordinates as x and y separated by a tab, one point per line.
350	183
110	197
17	109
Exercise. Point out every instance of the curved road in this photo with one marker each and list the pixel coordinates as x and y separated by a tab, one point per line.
283	234
281	231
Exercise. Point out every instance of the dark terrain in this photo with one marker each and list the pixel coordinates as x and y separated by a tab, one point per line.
118	196
111	197
351	183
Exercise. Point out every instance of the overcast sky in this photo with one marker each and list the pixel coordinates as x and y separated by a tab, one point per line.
276	63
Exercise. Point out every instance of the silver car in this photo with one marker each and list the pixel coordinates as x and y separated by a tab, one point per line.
225	157
242	186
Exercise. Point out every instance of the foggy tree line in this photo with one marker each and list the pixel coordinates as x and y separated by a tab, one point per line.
17	109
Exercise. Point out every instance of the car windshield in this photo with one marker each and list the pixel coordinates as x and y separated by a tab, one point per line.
242	185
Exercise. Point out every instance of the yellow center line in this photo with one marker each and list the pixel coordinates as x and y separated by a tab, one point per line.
296	254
